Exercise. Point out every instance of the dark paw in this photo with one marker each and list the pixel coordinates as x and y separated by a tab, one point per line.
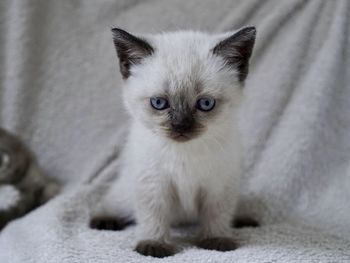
155	249
218	243
110	223
241	222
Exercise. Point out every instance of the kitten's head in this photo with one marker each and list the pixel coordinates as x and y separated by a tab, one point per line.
14	158
185	84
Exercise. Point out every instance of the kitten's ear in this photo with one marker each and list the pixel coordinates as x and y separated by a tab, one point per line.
130	50
237	49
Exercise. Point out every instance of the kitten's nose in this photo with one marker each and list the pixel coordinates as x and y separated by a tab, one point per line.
182	123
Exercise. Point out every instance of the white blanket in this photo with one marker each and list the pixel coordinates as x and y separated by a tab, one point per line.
60	90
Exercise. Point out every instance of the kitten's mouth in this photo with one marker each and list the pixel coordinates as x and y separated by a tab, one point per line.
180	137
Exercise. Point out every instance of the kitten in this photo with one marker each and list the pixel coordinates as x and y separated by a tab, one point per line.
181	161
19	173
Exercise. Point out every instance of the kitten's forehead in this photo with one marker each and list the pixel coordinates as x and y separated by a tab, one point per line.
183	44
184	60
182	51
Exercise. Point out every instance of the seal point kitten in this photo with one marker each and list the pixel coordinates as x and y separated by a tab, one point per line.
181	161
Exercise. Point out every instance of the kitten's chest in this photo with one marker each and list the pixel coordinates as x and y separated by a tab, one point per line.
191	176
188	171
197	166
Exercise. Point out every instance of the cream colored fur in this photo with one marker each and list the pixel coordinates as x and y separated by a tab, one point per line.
163	181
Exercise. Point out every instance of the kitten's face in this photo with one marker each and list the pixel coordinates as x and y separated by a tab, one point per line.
186	84
14	159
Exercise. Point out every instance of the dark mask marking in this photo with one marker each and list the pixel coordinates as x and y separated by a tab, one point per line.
181	114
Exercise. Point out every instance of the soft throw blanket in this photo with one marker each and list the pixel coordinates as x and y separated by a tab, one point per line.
60	90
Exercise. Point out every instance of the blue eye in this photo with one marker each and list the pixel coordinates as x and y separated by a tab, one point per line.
159	103
205	104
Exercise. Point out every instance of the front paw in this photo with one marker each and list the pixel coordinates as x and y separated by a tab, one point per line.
155	248
110	223
241	222
217	243
10	197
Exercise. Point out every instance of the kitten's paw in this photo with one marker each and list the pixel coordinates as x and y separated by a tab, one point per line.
217	243
241	222
155	249
110	223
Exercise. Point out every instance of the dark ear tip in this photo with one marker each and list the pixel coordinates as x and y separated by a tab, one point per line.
117	32
116	29
249	30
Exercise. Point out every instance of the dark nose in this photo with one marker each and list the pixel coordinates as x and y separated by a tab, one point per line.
182	123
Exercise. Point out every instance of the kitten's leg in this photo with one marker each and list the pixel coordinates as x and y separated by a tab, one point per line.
116	209
216	215
153	208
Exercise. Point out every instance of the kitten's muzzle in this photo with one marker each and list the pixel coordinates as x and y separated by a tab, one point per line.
182	123
182	126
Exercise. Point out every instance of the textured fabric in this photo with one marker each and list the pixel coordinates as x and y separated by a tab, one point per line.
60	90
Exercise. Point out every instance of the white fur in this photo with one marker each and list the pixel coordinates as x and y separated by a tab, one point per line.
9	196
152	161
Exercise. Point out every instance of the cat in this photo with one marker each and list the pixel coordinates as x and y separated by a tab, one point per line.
181	161
21	176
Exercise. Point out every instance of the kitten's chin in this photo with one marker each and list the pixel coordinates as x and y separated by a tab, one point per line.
181	137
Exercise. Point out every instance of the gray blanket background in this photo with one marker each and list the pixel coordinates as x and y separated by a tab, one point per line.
60	91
